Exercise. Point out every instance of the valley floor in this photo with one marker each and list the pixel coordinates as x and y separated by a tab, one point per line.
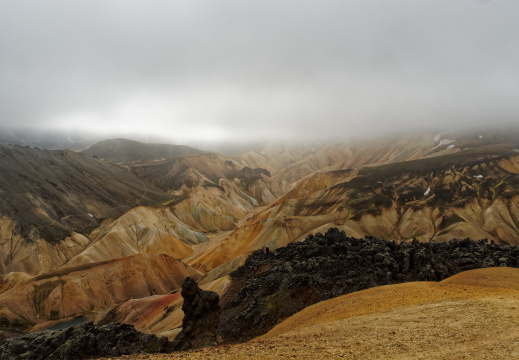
470	316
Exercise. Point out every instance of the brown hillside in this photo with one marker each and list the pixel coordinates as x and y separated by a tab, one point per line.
140	230
158	314
465	194
130	151
51	199
90	288
406	321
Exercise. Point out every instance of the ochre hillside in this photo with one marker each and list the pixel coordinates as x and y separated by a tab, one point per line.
454	319
90	288
471	194
52	199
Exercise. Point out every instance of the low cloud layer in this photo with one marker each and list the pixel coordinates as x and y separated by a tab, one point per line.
224	70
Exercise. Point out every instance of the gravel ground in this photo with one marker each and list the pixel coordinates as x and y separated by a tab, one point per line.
407	321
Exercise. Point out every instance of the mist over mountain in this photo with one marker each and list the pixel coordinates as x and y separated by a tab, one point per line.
151	146
233	70
76	140
45	139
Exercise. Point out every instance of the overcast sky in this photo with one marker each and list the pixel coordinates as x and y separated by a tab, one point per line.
239	69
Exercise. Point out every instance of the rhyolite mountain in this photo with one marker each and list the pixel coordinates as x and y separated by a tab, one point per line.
51	199
64	214
471	193
183	175
86	289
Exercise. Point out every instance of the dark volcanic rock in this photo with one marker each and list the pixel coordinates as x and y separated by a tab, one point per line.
201	317
273	285
8	334
82	342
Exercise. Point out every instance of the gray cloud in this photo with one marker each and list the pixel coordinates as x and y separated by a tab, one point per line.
235	69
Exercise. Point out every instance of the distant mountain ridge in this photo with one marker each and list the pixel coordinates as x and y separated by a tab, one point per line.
130	151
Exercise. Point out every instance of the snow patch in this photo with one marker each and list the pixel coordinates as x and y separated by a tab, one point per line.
444	142
427	191
437	137
478	176
447	141
450	147
90	215
480	136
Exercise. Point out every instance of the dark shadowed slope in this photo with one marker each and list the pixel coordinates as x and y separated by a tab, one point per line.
130	151
47	195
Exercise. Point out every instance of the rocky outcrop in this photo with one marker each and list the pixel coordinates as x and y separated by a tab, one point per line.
81	342
201	318
273	285
8	334
161	315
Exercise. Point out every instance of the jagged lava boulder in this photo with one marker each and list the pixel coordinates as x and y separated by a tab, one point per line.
201	318
273	285
84	341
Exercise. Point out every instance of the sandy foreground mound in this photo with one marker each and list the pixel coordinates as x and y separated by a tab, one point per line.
472	315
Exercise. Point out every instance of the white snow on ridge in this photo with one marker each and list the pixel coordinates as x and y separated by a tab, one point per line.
478	176
444	142
447	141
427	191
450	147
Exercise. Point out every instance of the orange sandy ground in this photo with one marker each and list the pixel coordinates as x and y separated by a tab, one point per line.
473	315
